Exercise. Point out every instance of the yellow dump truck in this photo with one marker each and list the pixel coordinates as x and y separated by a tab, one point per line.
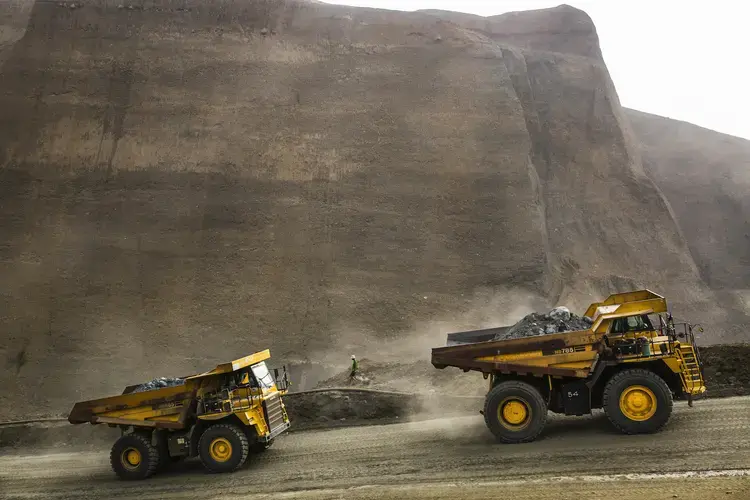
622	363
221	416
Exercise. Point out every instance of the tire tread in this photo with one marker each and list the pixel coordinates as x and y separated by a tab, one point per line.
527	390
238	433
152	457
633	373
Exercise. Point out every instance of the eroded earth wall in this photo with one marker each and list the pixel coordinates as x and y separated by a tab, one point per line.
184	182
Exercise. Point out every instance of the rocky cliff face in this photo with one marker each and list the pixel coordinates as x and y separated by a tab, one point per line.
705	176
183	183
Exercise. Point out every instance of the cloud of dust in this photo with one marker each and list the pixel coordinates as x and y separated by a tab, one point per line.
438	422
487	308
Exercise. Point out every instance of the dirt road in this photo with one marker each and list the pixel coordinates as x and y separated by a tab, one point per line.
703	453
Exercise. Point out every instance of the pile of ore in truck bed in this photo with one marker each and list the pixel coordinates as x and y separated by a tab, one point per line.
159	383
558	320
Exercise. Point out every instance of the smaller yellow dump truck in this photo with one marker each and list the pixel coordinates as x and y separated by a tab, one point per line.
221	416
623	364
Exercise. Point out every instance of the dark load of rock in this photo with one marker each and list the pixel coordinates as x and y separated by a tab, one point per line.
159	383
558	320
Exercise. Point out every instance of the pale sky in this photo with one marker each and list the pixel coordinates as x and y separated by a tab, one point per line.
684	59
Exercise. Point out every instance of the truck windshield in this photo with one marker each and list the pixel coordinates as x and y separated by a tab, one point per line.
264	377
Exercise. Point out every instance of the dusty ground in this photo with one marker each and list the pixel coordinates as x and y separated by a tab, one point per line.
333	408
702	453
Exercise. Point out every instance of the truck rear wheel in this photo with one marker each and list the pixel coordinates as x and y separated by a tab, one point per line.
134	457
223	448
637	401
515	412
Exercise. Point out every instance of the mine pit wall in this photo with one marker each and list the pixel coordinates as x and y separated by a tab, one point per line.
175	182
183	184
705	176
14	17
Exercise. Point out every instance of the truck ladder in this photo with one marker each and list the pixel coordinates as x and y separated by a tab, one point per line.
692	379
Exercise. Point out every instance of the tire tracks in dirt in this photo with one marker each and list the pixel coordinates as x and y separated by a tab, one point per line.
702	453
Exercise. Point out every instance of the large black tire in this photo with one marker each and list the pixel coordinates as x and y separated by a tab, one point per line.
223	448
637	401
515	412
133	457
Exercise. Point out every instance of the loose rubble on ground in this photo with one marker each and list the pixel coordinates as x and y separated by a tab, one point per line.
159	383
558	320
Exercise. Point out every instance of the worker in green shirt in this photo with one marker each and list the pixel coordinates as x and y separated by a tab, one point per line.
354	367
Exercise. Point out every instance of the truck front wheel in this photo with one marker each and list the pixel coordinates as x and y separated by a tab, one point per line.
223	448
134	457
637	401
515	412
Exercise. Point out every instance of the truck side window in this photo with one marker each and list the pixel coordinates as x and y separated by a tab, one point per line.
646	321
247	378
631	324
638	324
619	325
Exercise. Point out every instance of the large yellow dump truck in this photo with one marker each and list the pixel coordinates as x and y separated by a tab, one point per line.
622	363
221	416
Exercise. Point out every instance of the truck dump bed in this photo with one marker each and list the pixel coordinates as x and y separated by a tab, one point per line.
567	354
474	336
166	407
564	354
